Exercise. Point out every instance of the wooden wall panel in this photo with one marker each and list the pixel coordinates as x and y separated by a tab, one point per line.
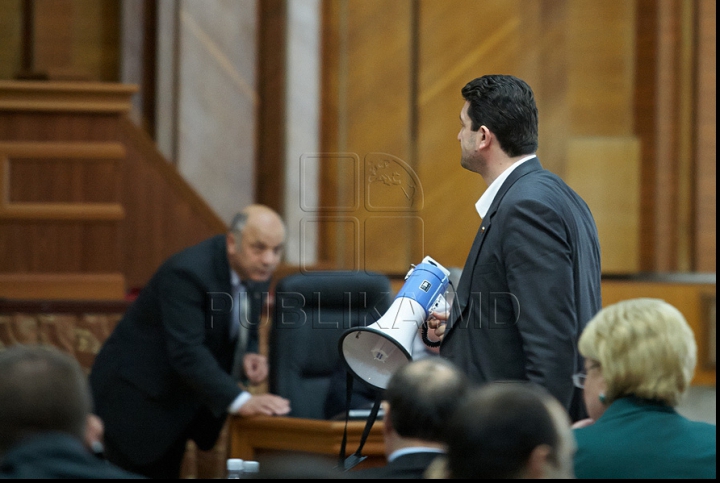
449	57
52	236
666	194
645	113
52	36
618	71
372	124
96	39
617	209
691	299
70	39
667	122
378	109
705	201
546	39
269	182
10	38
601	57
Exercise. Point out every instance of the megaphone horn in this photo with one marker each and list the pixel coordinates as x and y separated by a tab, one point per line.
375	352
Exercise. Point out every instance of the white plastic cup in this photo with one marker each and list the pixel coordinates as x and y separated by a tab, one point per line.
235	468
251	467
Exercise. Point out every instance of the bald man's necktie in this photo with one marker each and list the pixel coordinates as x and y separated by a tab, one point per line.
239	328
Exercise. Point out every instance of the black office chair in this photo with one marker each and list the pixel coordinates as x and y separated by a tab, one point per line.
312	310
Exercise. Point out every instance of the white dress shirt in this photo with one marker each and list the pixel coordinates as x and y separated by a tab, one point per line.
483	204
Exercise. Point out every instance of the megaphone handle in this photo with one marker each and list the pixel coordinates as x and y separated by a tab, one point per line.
369	424
357	458
348	395
426	340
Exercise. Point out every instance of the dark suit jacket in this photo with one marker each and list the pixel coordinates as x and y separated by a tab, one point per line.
529	286
411	465
636	438
56	456
164	372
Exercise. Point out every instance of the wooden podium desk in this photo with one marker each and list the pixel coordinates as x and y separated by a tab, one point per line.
251	438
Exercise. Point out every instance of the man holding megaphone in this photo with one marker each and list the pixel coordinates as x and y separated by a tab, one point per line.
532	278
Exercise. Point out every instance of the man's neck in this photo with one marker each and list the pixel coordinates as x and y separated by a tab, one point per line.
497	166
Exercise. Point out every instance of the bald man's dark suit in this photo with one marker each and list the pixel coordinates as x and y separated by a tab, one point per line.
529	286
164	373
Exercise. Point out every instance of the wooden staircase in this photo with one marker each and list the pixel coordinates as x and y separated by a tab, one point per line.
89	209
88	206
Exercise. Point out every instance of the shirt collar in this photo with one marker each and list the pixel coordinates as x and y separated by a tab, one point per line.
235	279
413	449
483	204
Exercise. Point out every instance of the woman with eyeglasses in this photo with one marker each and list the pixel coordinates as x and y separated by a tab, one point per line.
640	357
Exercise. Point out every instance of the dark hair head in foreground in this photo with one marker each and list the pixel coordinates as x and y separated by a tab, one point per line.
422	395
41	390
510	430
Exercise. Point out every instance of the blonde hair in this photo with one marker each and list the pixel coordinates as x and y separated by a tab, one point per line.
645	347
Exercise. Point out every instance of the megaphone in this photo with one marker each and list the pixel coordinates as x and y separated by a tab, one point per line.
374	353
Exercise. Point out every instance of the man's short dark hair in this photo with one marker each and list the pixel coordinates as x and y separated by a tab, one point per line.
41	390
506	106
494	431
422	396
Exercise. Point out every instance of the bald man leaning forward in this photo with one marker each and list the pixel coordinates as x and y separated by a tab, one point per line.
165	375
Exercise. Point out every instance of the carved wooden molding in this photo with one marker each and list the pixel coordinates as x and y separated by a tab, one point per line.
62	211
77	307
62	286
65	96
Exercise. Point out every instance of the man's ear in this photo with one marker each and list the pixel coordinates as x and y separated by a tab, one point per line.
539	458
482	139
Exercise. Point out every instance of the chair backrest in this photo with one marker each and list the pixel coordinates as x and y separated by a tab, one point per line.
312	310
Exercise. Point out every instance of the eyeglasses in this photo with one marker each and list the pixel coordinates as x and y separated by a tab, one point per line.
579	380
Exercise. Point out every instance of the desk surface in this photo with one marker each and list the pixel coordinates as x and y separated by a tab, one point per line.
251	437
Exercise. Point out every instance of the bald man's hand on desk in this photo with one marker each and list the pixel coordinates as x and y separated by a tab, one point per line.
265	404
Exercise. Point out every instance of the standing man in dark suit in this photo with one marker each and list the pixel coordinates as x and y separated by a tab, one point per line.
165	374
532	279
420	399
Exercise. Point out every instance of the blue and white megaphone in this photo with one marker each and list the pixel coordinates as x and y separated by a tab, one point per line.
375	352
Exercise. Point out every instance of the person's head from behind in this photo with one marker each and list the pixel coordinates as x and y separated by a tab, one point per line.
641	347
499	106
510	430
255	243
41	391
420	397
